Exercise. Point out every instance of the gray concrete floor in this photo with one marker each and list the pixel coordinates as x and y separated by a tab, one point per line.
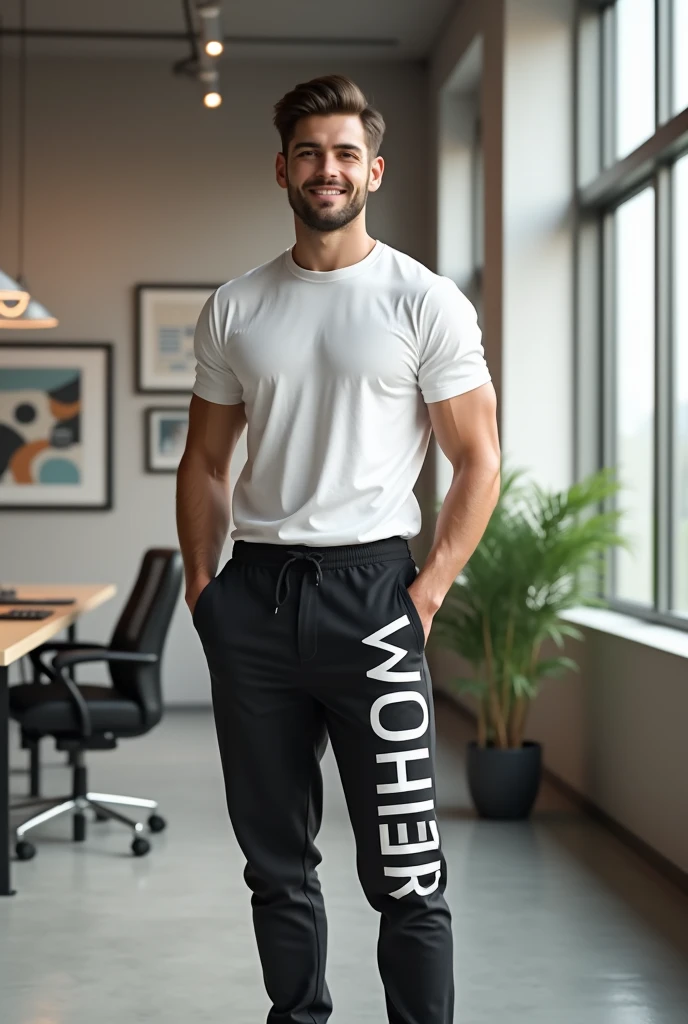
555	922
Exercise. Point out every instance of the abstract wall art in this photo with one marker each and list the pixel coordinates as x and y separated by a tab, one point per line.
56	426
166	431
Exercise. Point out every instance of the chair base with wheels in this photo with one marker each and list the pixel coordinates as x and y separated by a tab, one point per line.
80	801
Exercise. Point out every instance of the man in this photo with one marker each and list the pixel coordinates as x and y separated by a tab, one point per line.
341	355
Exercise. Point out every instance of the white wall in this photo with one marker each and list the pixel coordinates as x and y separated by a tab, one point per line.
616	733
131	180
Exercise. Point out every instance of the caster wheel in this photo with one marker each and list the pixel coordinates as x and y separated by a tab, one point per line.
156	823
140	847
25	851
79	827
99	816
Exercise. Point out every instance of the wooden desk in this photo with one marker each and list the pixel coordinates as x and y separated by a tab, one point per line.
19	638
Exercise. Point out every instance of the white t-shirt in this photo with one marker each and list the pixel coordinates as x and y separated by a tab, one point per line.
335	369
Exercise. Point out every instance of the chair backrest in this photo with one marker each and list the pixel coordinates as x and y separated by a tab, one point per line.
143	626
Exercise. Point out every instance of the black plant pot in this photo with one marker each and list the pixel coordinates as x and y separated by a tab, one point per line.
504	783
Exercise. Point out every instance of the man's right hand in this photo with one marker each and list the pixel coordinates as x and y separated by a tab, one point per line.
194	592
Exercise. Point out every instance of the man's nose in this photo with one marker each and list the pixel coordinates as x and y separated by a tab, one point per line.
329	166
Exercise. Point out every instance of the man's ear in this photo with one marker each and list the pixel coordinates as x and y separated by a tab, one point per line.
377	169
281	170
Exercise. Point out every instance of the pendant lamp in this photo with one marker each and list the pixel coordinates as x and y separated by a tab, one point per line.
19	310
13	299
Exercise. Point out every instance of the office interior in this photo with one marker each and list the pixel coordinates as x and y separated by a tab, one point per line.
537	154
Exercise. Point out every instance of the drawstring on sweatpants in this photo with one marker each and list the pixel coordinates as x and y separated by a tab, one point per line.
296	556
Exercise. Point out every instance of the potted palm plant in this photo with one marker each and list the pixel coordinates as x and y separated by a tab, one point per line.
542	553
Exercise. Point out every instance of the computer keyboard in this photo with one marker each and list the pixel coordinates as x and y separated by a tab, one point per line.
26	613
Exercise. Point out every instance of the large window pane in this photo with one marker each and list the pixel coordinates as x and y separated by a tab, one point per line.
634	385
680	476
680	39
635	73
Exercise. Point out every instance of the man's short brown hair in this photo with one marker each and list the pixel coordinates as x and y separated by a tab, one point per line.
331	94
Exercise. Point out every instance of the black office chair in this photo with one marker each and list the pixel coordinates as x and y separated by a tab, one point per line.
84	717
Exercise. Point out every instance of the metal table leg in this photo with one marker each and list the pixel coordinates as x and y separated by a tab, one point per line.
71	636
5	881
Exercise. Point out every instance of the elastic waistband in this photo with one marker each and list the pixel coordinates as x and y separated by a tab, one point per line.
335	557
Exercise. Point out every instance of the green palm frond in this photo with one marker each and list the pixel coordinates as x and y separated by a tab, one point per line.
541	554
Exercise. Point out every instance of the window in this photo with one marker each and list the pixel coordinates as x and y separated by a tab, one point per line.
634	47
461	202
680	418
679	36
634	382
478	210
631	299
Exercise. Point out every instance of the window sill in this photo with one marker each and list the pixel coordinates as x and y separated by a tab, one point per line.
662	638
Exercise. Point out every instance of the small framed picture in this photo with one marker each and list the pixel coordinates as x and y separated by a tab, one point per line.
165	438
56	426
166	317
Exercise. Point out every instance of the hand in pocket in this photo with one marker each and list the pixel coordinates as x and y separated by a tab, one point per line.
424	611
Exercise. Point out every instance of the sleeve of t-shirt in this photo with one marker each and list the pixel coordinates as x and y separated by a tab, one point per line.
215	379
452	359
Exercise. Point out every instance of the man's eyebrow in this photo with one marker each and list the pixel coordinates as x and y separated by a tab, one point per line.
316	145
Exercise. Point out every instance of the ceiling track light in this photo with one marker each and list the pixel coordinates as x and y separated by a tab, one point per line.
211	31
210	49
201	63
210	83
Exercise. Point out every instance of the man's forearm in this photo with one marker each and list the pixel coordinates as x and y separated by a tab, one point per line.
203	518
462	520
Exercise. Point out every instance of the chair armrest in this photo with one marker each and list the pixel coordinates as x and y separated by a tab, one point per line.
72	657
61	661
58	645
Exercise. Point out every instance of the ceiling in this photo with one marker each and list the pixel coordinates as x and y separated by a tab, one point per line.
350	29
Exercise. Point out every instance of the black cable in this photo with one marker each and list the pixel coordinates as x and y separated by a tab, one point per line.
22	142
190	29
2	93
188	65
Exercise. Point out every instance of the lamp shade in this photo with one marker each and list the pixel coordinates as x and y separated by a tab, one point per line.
14	299
18	310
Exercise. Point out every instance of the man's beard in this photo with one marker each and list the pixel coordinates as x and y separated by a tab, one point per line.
326	218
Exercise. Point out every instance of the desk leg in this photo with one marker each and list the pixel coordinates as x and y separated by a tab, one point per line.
5	885
71	636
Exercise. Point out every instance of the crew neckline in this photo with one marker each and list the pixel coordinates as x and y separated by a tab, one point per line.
327	276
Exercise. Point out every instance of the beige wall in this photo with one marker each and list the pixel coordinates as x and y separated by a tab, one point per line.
616	732
485	20
617	735
131	180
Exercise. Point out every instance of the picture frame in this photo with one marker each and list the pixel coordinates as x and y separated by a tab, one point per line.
166	317
165	432
56	426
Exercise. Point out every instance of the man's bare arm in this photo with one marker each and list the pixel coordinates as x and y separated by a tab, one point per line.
466	431
203	495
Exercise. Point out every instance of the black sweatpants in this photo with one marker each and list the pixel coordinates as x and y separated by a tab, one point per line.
308	642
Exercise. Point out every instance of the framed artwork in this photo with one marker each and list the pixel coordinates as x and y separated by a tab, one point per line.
166	430
56	426
166	316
